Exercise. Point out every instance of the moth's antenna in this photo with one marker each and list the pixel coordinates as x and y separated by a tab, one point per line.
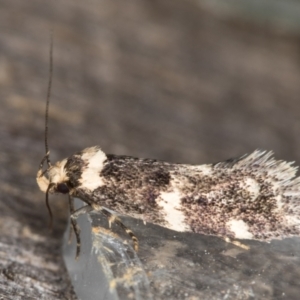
48	98
46	124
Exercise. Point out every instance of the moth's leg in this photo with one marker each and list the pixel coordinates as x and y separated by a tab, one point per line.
112	218
73	222
236	243
74	216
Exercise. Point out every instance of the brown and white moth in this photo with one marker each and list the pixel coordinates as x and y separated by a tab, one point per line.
252	197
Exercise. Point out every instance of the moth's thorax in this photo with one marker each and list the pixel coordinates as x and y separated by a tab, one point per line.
79	170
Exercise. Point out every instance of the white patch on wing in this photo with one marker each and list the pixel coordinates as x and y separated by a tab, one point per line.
292	220
240	229
90	178
252	187
170	203
203	169
279	202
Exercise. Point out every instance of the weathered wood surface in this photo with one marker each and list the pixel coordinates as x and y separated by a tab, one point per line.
163	79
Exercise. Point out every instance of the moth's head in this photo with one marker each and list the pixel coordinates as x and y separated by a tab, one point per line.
54	179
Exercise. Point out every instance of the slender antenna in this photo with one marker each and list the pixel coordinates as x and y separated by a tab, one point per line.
46	126
48	98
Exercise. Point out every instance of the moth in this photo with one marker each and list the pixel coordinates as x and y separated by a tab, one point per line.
251	197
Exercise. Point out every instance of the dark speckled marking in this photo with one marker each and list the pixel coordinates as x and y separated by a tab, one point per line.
132	185
74	168
213	200
136	172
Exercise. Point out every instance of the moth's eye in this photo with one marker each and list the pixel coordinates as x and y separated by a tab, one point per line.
62	188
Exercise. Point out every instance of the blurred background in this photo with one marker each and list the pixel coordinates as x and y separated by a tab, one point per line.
183	81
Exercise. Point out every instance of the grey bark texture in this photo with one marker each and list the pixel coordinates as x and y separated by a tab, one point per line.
165	79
